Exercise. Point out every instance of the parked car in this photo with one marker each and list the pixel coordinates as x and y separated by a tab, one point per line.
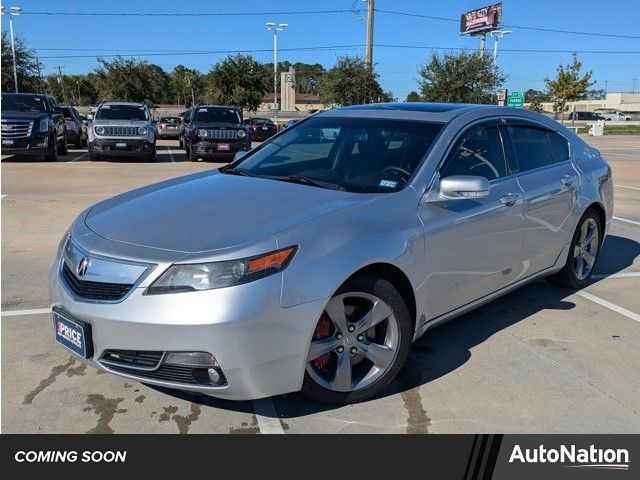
76	129
215	132
261	128
616	116
32	125
584	116
168	127
122	129
313	265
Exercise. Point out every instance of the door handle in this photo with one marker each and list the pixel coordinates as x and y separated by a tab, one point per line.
567	180
509	199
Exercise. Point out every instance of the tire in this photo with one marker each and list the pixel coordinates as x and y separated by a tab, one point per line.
389	340
93	157
78	143
585	248
62	148
152	156
180	143
190	156
52	156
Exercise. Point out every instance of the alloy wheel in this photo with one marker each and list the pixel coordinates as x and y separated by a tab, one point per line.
355	342
585	249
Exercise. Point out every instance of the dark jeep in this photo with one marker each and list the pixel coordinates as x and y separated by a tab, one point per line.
214	131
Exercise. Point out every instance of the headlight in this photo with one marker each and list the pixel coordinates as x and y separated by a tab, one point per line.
142	130
207	276
44	125
242	134
202	133
100	130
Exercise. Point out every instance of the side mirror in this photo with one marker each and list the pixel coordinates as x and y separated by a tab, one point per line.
464	186
90	116
239	154
456	187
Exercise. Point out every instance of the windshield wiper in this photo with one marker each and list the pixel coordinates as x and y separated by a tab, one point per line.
301	179
234	171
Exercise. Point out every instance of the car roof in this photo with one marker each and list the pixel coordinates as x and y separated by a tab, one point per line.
214	106
134	104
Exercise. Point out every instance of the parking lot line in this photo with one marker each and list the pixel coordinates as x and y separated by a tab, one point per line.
78	158
625	220
616	275
19	313
627	186
267	416
609	305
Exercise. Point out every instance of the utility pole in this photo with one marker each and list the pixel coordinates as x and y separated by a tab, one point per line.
61	80
13	11
483	41
271	26
606	87
39	75
633	89
370	12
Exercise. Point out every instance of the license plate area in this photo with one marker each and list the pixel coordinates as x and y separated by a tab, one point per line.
74	335
121	145
7	142
224	146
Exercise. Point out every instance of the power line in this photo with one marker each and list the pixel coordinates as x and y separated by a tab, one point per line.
185	14
538	29
160	53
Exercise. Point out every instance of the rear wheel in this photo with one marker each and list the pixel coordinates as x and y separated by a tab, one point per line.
360	343
583	253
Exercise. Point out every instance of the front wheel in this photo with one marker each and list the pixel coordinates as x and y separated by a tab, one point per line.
62	147
360	343
583	253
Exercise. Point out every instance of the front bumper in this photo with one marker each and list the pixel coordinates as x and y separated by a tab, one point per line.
34	145
260	346
114	147
208	149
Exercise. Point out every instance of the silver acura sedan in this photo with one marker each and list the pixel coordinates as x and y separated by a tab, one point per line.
315	260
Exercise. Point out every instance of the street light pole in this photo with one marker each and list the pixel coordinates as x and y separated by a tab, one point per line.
497	34
13	11
275	28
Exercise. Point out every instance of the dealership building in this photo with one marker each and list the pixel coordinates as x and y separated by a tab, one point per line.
622	101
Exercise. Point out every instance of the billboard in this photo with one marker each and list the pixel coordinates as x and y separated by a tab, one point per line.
481	19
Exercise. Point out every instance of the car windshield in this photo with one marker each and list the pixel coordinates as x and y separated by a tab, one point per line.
217	115
23	103
169	120
353	154
261	121
122	112
67	113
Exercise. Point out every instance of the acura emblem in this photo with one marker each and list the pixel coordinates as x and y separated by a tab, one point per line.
83	266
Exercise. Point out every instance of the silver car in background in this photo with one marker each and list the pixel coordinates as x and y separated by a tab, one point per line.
315	260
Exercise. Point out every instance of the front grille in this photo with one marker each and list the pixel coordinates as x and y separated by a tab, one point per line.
16	128
132	359
222	134
144	365
116	131
94	290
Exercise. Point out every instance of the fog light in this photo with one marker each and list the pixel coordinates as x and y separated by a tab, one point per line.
191	359
214	375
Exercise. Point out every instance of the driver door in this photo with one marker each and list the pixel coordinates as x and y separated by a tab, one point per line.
473	245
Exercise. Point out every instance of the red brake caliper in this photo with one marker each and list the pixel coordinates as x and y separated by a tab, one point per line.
323	330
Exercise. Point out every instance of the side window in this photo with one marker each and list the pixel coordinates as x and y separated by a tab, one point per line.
559	147
531	147
479	153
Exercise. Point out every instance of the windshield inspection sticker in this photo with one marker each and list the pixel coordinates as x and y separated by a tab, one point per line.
388	183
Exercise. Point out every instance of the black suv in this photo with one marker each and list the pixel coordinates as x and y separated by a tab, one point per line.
214	131
33	125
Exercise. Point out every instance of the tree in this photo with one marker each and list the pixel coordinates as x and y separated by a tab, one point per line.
596	94
131	80
237	80
79	89
537	96
350	82
466	77
568	86
27	66
413	96
186	85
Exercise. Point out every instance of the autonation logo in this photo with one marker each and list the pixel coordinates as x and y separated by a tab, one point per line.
573	457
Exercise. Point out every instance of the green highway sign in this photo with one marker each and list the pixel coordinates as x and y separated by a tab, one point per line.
515	100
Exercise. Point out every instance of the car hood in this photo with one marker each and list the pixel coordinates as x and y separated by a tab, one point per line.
22	115
211	211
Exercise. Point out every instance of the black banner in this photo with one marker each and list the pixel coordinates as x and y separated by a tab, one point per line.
467	457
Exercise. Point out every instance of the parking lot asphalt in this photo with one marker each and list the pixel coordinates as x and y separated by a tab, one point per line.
538	360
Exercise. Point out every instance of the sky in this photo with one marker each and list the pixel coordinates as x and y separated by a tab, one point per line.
92	36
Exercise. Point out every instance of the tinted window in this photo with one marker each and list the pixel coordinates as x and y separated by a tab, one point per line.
356	154
121	112
531	147
67	113
559	147
479	153
23	103
216	115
